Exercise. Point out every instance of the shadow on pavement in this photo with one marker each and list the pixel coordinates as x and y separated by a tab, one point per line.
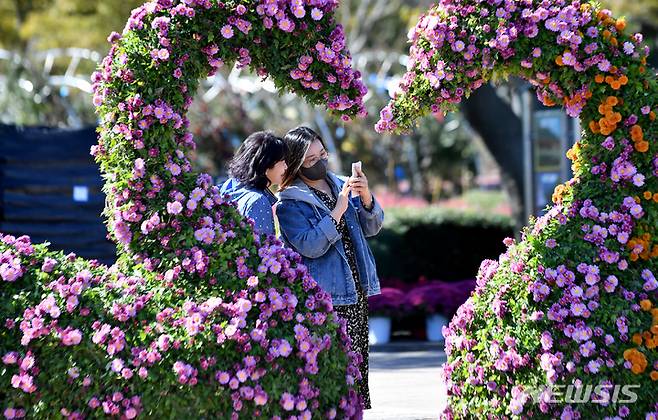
410	360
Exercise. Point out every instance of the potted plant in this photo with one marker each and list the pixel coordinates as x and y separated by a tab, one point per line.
428	299
382	308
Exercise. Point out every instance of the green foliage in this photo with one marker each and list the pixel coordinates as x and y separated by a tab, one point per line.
437	243
42	24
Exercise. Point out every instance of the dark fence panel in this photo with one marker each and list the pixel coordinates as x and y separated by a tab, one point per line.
51	189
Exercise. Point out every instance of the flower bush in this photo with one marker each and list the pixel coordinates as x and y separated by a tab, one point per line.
574	302
389	303
427	299
438	297
200	317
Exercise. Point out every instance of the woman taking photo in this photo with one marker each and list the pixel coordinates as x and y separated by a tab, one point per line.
258	164
320	221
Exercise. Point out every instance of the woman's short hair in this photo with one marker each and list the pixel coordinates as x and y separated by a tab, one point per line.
258	153
298	140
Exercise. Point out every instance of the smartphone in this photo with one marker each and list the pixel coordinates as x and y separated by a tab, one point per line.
356	170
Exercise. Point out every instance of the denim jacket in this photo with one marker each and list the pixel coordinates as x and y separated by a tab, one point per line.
252	202
306	226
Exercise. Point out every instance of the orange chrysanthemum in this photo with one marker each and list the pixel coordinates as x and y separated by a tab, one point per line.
613	117
606	126
645	305
637	369
558	193
641	146
620	24
594	127
637	133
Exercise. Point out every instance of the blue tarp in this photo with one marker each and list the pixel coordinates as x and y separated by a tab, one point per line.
51	189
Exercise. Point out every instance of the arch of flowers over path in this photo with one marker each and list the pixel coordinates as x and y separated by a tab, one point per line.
199	317
575	301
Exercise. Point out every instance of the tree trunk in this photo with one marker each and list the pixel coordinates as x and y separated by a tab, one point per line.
501	131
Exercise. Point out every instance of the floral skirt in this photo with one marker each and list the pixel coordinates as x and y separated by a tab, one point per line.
357	329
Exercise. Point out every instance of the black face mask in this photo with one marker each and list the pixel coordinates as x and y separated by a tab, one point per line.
317	171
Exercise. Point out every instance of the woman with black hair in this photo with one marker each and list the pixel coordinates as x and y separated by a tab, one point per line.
258	164
320	220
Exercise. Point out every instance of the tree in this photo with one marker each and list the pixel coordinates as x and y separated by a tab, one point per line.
13	17
31	26
42	24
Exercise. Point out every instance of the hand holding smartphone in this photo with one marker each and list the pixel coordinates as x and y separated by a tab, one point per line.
356	172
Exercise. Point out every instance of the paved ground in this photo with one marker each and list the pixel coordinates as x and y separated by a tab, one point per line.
405	382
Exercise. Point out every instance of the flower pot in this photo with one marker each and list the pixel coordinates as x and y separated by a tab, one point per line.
379	330
434	324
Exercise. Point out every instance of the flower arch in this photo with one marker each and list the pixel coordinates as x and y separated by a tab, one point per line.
574	302
200	316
